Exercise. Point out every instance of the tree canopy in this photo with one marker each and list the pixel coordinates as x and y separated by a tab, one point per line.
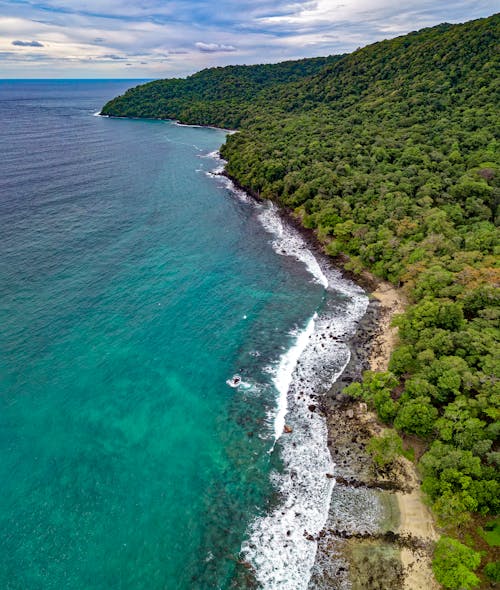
390	154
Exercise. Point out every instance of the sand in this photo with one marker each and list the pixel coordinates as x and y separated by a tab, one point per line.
415	518
392	302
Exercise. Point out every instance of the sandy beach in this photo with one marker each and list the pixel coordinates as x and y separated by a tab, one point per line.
392	302
415	518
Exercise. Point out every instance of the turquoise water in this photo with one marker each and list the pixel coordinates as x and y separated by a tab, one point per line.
132	285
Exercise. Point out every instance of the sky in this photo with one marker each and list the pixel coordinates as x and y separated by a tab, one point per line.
165	38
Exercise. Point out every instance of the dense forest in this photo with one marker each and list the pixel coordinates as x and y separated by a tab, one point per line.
391	155
223	97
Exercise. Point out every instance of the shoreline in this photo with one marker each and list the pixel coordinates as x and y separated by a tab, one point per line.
401	545
174	121
404	544
413	525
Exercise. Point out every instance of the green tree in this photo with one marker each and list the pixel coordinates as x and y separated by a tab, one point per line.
454	564
416	416
386	448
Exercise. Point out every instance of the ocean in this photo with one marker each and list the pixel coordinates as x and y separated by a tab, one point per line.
135	281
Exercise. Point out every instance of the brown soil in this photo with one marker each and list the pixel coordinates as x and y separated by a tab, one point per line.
392	302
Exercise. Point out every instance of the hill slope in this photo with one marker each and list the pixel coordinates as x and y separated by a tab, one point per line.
391	155
216	96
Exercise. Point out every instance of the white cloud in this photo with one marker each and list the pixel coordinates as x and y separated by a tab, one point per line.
161	38
214	47
376	15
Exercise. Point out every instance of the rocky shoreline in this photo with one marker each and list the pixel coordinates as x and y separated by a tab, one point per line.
368	542
388	544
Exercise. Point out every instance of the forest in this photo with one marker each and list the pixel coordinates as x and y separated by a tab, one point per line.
390	154
222	97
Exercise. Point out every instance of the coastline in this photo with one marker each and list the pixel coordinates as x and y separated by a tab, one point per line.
174	121
403	540
400	543
416	519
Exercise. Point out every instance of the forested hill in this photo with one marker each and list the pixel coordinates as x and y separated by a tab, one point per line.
391	155
216	96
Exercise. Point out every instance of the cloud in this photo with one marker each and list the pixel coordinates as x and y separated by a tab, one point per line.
97	39
113	57
374	17
214	47
27	44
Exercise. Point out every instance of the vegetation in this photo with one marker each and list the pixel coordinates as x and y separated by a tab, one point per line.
386	448
454	565
391	155
224	96
492	571
491	533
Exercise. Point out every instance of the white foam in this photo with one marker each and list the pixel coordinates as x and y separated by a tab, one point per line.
217	171
289	242
282	545
224	181
215	155
228	184
284	375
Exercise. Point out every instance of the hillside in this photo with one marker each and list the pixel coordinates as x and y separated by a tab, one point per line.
221	96
391	155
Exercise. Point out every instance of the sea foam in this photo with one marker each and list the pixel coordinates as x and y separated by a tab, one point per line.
288	242
282	545
284	374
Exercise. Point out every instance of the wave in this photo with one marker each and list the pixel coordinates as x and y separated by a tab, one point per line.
215	155
284	375
282	545
217	174
288	242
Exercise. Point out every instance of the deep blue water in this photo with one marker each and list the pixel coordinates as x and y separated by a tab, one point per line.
132	285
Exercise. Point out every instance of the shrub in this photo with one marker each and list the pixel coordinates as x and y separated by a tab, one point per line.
384	449
454	564
492	571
